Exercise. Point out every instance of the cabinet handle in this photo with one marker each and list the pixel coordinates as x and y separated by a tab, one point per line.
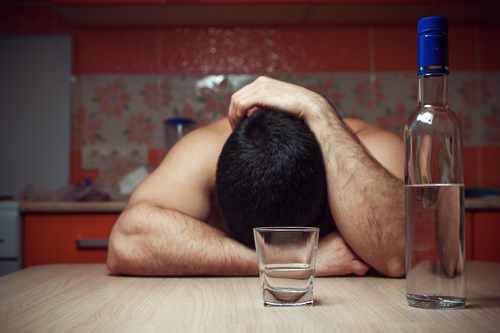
89	243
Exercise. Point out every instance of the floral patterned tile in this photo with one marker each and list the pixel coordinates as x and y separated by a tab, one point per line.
460	99
347	92
118	109
131	109
204	98
396	100
473	99
489	90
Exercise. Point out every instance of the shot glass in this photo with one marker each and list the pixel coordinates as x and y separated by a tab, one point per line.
287	261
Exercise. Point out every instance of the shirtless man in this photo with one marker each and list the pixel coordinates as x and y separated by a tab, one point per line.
173	227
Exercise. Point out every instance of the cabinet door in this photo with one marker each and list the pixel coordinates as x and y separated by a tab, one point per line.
486	232
66	238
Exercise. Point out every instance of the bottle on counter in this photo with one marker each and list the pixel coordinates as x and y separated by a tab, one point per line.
434	182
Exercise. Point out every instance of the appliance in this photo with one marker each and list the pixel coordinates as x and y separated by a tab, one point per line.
10	237
35	105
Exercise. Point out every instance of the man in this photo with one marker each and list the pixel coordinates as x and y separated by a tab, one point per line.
270	173
172	225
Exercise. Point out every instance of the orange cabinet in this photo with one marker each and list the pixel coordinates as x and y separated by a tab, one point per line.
66	238
81	238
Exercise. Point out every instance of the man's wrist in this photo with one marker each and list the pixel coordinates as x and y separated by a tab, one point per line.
321	115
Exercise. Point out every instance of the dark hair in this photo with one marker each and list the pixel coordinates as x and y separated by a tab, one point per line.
270	173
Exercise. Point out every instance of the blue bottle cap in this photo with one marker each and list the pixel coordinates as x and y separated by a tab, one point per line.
433	45
433	23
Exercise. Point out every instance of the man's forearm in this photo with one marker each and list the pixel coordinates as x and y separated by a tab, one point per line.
152	241
366	200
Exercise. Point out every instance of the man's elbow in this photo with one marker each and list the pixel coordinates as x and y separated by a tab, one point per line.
123	254
116	259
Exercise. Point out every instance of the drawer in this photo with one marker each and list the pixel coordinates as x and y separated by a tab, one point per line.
66	238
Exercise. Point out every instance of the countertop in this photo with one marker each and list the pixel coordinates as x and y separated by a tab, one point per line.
27	207
86	298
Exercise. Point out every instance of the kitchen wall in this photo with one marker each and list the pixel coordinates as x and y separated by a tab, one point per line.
128	80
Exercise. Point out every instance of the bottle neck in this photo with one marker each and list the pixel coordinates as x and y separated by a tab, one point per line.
433	89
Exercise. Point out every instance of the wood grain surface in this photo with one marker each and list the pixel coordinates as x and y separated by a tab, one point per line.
86	298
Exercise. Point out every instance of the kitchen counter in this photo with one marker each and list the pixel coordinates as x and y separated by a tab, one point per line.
85	297
27	207
118	206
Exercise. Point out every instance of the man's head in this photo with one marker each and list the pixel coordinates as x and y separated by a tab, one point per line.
270	173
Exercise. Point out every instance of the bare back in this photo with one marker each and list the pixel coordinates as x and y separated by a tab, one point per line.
185	180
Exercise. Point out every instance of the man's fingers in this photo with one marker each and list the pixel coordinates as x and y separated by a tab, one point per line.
243	102
254	110
239	105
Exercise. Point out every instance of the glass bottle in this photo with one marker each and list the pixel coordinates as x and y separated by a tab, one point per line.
434	182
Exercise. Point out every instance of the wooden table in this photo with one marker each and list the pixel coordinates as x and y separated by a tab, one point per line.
86	298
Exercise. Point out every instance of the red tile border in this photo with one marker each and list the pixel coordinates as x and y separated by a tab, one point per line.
489	48
112	50
490	166
212	50
155	156
470	166
77	174
462	48
395	48
317	49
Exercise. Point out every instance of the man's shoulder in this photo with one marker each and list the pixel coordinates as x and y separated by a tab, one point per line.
206	139
218	130
361	127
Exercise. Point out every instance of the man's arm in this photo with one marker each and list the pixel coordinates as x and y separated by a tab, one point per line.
366	199
162	231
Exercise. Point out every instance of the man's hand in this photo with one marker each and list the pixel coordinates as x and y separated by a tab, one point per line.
366	200
335	258
268	93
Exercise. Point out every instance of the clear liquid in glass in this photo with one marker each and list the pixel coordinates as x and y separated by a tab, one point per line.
287	284
435	241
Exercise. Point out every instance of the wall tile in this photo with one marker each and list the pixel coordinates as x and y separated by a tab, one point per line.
26	19
112	50
77	174
119	110
486	230
462	99
490	166
470	166
347	92
469	246
317	49
156	156
487	96
395	48
212	50
462	48
394	97
489	47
